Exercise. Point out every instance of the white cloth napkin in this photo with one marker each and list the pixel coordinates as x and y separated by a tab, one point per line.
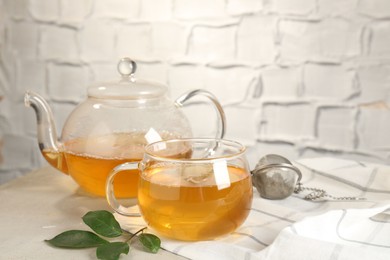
294	228
338	234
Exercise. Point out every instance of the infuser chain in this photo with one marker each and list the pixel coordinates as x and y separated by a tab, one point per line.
317	194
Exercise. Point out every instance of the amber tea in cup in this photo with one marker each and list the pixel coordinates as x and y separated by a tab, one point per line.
191	189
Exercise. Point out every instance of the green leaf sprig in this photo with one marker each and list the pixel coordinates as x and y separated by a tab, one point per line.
104	224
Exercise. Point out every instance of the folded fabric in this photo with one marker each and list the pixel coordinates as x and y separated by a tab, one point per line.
295	228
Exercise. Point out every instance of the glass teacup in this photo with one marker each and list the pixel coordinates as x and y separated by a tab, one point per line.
191	189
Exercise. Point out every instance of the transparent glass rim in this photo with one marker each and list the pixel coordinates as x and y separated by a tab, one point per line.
230	143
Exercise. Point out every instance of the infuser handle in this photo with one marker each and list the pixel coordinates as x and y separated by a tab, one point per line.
110	196
221	114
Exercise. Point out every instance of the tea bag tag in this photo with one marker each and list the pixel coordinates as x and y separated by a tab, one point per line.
153	136
222	178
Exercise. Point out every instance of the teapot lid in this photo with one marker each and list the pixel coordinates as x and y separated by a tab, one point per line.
128	87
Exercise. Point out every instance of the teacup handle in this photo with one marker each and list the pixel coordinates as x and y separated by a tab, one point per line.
112	201
221	114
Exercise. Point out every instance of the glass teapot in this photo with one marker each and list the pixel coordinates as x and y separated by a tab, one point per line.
112	126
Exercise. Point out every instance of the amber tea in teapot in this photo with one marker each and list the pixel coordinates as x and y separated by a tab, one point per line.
89	161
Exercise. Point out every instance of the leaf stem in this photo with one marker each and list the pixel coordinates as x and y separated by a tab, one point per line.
136	233
127	232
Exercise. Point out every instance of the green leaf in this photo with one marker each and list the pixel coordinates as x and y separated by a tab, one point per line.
112	251
103	222
151	242
77	239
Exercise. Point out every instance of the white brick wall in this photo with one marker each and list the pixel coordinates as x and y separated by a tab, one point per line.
66	82
319	85
374	8
336	128
256	39
297	77
294	7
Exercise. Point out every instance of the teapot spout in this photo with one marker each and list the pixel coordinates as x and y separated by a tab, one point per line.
46	131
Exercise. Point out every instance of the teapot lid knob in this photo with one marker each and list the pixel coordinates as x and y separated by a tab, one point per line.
128	87
126	67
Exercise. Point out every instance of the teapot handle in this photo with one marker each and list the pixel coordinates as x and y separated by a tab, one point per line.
221	114
110	196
